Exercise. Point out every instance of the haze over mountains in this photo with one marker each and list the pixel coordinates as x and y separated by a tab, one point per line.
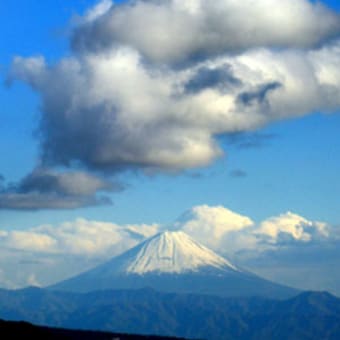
174	262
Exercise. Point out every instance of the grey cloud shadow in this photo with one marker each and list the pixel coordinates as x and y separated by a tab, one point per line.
220	78
44	189
259	94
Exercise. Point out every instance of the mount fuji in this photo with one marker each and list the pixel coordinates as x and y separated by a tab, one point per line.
174	262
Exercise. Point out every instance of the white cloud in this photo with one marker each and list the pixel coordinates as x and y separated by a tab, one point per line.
97	11
217	227
80	237
175	31
211	225
291	225
46	254
238	237
29	241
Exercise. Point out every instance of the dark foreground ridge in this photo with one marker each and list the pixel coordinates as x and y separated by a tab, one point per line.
25	330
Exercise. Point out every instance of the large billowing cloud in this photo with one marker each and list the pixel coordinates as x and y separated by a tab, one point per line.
153	84
48	189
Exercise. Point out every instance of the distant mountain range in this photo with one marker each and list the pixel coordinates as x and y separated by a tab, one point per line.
174	262
309	315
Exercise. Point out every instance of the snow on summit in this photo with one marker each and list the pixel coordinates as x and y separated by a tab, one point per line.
172	252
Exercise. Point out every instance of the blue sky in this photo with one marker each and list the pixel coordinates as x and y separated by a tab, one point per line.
288	162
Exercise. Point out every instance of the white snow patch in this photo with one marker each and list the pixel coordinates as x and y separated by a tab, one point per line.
172	252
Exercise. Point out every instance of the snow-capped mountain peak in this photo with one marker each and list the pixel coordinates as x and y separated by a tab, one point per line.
173	262
172	252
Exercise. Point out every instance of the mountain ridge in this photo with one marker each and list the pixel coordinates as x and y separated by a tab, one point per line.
309	315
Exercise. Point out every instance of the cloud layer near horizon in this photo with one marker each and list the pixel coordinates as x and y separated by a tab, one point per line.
48	253
72	247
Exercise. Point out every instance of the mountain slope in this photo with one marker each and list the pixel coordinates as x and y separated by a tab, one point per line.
174	262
